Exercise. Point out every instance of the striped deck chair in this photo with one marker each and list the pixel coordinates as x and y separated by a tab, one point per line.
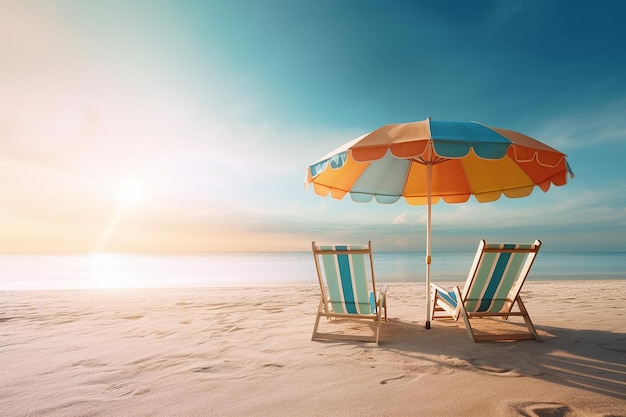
348	288
491	290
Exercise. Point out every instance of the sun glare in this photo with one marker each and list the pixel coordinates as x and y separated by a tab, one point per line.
109	271
130	193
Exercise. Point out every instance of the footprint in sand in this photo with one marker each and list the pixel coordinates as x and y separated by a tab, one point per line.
532	409
120	390
411	373
393	378
204	369
492	369
90	363
136	317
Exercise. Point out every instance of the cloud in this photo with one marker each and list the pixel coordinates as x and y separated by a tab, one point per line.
401	218
587	127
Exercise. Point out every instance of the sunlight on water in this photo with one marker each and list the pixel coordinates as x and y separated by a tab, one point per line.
97	271
108	271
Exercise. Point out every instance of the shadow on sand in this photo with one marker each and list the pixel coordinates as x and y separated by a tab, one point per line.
590	360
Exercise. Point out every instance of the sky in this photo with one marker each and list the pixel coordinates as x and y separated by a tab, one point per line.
169	126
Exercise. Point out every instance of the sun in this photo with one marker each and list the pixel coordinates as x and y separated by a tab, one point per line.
127	194
130	193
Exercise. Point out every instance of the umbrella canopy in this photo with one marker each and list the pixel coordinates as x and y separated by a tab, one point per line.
427	161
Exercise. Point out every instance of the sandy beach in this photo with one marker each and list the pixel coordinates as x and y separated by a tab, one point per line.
247	352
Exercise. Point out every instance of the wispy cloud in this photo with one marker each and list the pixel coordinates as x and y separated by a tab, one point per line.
220	135
596	126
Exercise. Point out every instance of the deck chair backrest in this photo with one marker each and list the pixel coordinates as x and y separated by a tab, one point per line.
497	275
345	279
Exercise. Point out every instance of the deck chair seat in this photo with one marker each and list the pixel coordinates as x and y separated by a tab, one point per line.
348	289
492	289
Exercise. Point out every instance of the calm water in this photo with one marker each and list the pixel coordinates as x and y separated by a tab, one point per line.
237	269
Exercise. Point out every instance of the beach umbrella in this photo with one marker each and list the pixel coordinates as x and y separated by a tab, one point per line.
427	161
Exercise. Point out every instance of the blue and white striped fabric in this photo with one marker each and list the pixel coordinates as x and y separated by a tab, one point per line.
492	289
346	279
495	277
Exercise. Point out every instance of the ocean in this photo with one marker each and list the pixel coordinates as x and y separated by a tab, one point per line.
91	271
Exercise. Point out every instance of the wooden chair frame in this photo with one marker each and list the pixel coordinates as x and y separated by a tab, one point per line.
325	308
455	304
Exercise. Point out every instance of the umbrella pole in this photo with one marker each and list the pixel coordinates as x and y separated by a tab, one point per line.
429	174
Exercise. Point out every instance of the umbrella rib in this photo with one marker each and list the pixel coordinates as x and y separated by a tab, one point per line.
434	161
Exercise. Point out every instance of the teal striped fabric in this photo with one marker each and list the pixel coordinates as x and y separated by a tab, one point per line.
346	279
495	276
449	297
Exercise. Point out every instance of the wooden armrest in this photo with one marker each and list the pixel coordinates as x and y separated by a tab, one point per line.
438	288
382	296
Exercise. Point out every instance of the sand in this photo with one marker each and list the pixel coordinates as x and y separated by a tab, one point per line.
247	352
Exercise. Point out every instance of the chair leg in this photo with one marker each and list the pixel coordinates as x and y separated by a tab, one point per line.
317	320
463	311
382	299
385	308
468	326
526	316
436	308
433	303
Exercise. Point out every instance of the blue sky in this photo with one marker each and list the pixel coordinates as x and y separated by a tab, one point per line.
174	126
